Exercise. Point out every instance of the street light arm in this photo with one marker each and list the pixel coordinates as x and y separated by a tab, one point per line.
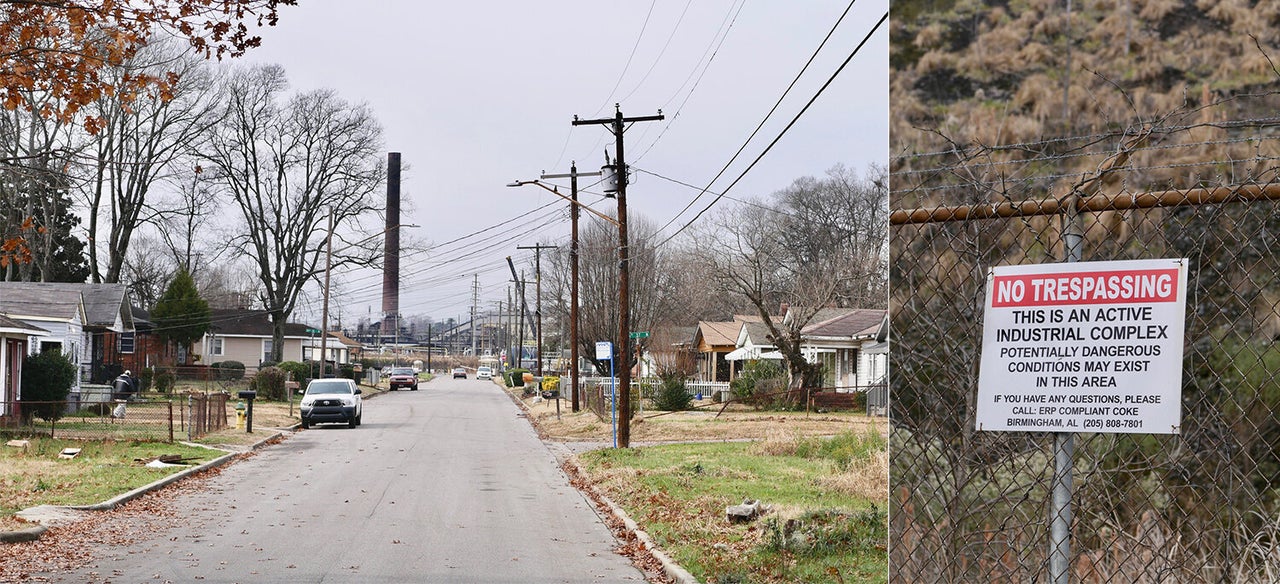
520	183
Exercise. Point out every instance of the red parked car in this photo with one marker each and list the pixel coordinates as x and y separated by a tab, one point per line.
403	377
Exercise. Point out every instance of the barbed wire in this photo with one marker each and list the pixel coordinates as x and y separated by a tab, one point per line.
1036	165
1226	124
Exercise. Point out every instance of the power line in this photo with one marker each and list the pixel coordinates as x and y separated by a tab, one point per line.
627	66
784	130
665	45
768	115
680	108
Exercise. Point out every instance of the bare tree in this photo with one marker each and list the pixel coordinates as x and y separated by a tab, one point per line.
229	284
148	269
822	244
598	282
691	295
287	166
141	136
187	216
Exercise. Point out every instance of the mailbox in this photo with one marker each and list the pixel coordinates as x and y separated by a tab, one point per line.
248	395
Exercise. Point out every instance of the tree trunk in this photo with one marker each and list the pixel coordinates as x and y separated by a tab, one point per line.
278	319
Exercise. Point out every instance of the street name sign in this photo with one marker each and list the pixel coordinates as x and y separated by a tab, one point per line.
1083	347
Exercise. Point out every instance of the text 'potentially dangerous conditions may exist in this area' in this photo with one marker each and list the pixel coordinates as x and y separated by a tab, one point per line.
1084	347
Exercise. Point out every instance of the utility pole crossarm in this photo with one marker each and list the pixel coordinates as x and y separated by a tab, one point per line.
609	121
570	175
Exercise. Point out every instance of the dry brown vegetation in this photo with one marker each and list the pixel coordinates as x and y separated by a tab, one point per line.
988	73
738	423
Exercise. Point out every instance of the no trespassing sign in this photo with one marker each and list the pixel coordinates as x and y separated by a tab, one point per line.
1083	347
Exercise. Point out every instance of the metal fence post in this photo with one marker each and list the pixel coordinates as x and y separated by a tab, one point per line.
1064	442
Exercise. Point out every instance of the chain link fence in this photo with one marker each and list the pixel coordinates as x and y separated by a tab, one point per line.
143	421
1199	506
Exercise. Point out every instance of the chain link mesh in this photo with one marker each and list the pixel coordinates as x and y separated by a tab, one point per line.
1201	506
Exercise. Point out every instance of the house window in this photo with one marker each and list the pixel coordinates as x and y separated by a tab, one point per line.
215	346
126	341
50	346
267	346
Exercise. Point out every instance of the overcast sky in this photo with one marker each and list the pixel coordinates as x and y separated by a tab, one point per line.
477	94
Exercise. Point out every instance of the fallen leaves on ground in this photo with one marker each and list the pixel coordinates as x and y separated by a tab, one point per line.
630	546
70	547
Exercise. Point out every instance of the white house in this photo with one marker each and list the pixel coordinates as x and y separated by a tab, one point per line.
753	343
106	320
844	341
58	312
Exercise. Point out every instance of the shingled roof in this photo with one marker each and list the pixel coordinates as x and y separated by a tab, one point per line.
105	305
719	333
13	326
30	302
250	323
854	322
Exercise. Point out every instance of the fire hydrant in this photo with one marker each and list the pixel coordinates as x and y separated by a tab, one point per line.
239	415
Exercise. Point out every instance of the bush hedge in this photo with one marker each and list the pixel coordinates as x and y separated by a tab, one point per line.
301	371
269	383
673	394
227	370
47	376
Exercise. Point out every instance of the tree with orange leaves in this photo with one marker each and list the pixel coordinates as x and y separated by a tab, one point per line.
63	50
59	47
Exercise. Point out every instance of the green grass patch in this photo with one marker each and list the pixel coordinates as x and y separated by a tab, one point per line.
102	470
822	526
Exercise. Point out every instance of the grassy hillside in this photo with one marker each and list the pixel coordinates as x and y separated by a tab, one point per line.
992	72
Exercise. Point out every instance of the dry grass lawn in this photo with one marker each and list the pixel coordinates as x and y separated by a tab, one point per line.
704	424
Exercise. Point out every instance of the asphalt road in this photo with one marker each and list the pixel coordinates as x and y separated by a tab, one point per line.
445	484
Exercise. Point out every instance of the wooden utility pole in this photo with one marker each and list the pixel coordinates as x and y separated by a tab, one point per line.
618	125
573	270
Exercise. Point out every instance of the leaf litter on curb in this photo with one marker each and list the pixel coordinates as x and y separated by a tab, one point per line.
64	549
630	546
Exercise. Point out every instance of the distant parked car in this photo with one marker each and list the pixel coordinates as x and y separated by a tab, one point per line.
484	373
459	372
403	377
331	400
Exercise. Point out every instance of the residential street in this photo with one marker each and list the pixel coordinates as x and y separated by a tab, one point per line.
445	484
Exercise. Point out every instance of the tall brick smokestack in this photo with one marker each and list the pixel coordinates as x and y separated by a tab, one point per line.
391	259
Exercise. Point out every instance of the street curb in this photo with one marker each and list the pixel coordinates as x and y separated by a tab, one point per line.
21	535
34	533
669	566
